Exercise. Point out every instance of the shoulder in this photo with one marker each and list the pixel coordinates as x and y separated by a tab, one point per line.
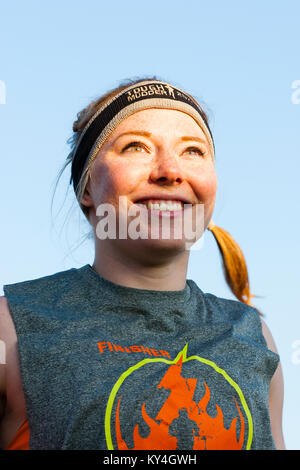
44	288
7	330
276	394
7	339
235	312
271	345
268	336
60	276
31	301
5	318
3	305
3	308
231	308
246	321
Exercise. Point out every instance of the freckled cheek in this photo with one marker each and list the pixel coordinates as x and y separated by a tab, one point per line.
110	181
205	186
124	180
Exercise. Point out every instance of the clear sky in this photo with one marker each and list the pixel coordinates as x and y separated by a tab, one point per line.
240	59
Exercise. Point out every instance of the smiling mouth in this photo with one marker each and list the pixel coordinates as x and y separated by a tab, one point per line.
162	205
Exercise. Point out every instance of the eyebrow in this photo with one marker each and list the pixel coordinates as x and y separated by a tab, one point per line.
189	137
144	133
148	134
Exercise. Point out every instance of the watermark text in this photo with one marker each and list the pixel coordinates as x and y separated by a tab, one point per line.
296	353
164	220
295	98
2	92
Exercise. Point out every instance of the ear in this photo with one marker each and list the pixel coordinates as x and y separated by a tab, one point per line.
86	199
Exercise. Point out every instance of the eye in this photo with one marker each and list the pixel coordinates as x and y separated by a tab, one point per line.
194	151
134	147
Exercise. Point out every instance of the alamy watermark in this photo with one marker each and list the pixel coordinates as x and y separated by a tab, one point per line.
296	353
295	98
2	92
2	352
167	222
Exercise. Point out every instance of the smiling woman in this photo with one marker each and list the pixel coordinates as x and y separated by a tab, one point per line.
144	94
128	353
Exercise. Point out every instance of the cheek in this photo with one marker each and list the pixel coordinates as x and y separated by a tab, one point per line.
205	185
124	178
109	180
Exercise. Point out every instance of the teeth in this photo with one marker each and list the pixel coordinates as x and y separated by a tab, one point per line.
164	205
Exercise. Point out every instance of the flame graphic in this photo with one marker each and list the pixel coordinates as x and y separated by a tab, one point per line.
207	432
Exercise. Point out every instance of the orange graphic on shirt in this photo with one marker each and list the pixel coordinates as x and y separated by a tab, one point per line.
207	432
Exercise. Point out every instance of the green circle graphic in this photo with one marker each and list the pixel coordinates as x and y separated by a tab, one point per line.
182	353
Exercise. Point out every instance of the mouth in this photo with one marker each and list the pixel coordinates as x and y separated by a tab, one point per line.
164	205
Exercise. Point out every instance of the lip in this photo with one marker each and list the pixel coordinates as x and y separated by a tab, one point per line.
157	212
163	197
172	214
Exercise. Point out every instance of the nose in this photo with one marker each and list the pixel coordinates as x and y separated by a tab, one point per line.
167	170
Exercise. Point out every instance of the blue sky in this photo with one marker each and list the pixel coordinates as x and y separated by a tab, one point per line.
240	59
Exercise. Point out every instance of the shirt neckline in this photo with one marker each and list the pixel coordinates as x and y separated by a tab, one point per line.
125	291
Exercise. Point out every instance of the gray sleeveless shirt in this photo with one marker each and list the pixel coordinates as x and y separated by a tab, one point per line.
106	366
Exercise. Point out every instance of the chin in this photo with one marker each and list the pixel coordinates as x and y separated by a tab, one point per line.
152	250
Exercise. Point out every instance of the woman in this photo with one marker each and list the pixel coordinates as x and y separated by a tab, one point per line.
128	353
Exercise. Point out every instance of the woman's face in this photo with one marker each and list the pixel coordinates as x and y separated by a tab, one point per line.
153	156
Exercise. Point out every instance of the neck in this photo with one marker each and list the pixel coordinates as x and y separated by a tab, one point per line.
152	271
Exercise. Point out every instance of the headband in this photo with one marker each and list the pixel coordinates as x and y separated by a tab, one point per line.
142	95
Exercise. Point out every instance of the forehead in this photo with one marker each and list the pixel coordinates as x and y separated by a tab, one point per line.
160	122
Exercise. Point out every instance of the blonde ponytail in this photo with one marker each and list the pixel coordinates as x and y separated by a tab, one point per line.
234	265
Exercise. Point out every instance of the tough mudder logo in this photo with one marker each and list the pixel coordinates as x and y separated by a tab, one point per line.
155	90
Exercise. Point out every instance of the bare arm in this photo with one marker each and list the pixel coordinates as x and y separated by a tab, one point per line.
2	357
276	394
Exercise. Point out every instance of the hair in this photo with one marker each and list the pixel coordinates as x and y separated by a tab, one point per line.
234	264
